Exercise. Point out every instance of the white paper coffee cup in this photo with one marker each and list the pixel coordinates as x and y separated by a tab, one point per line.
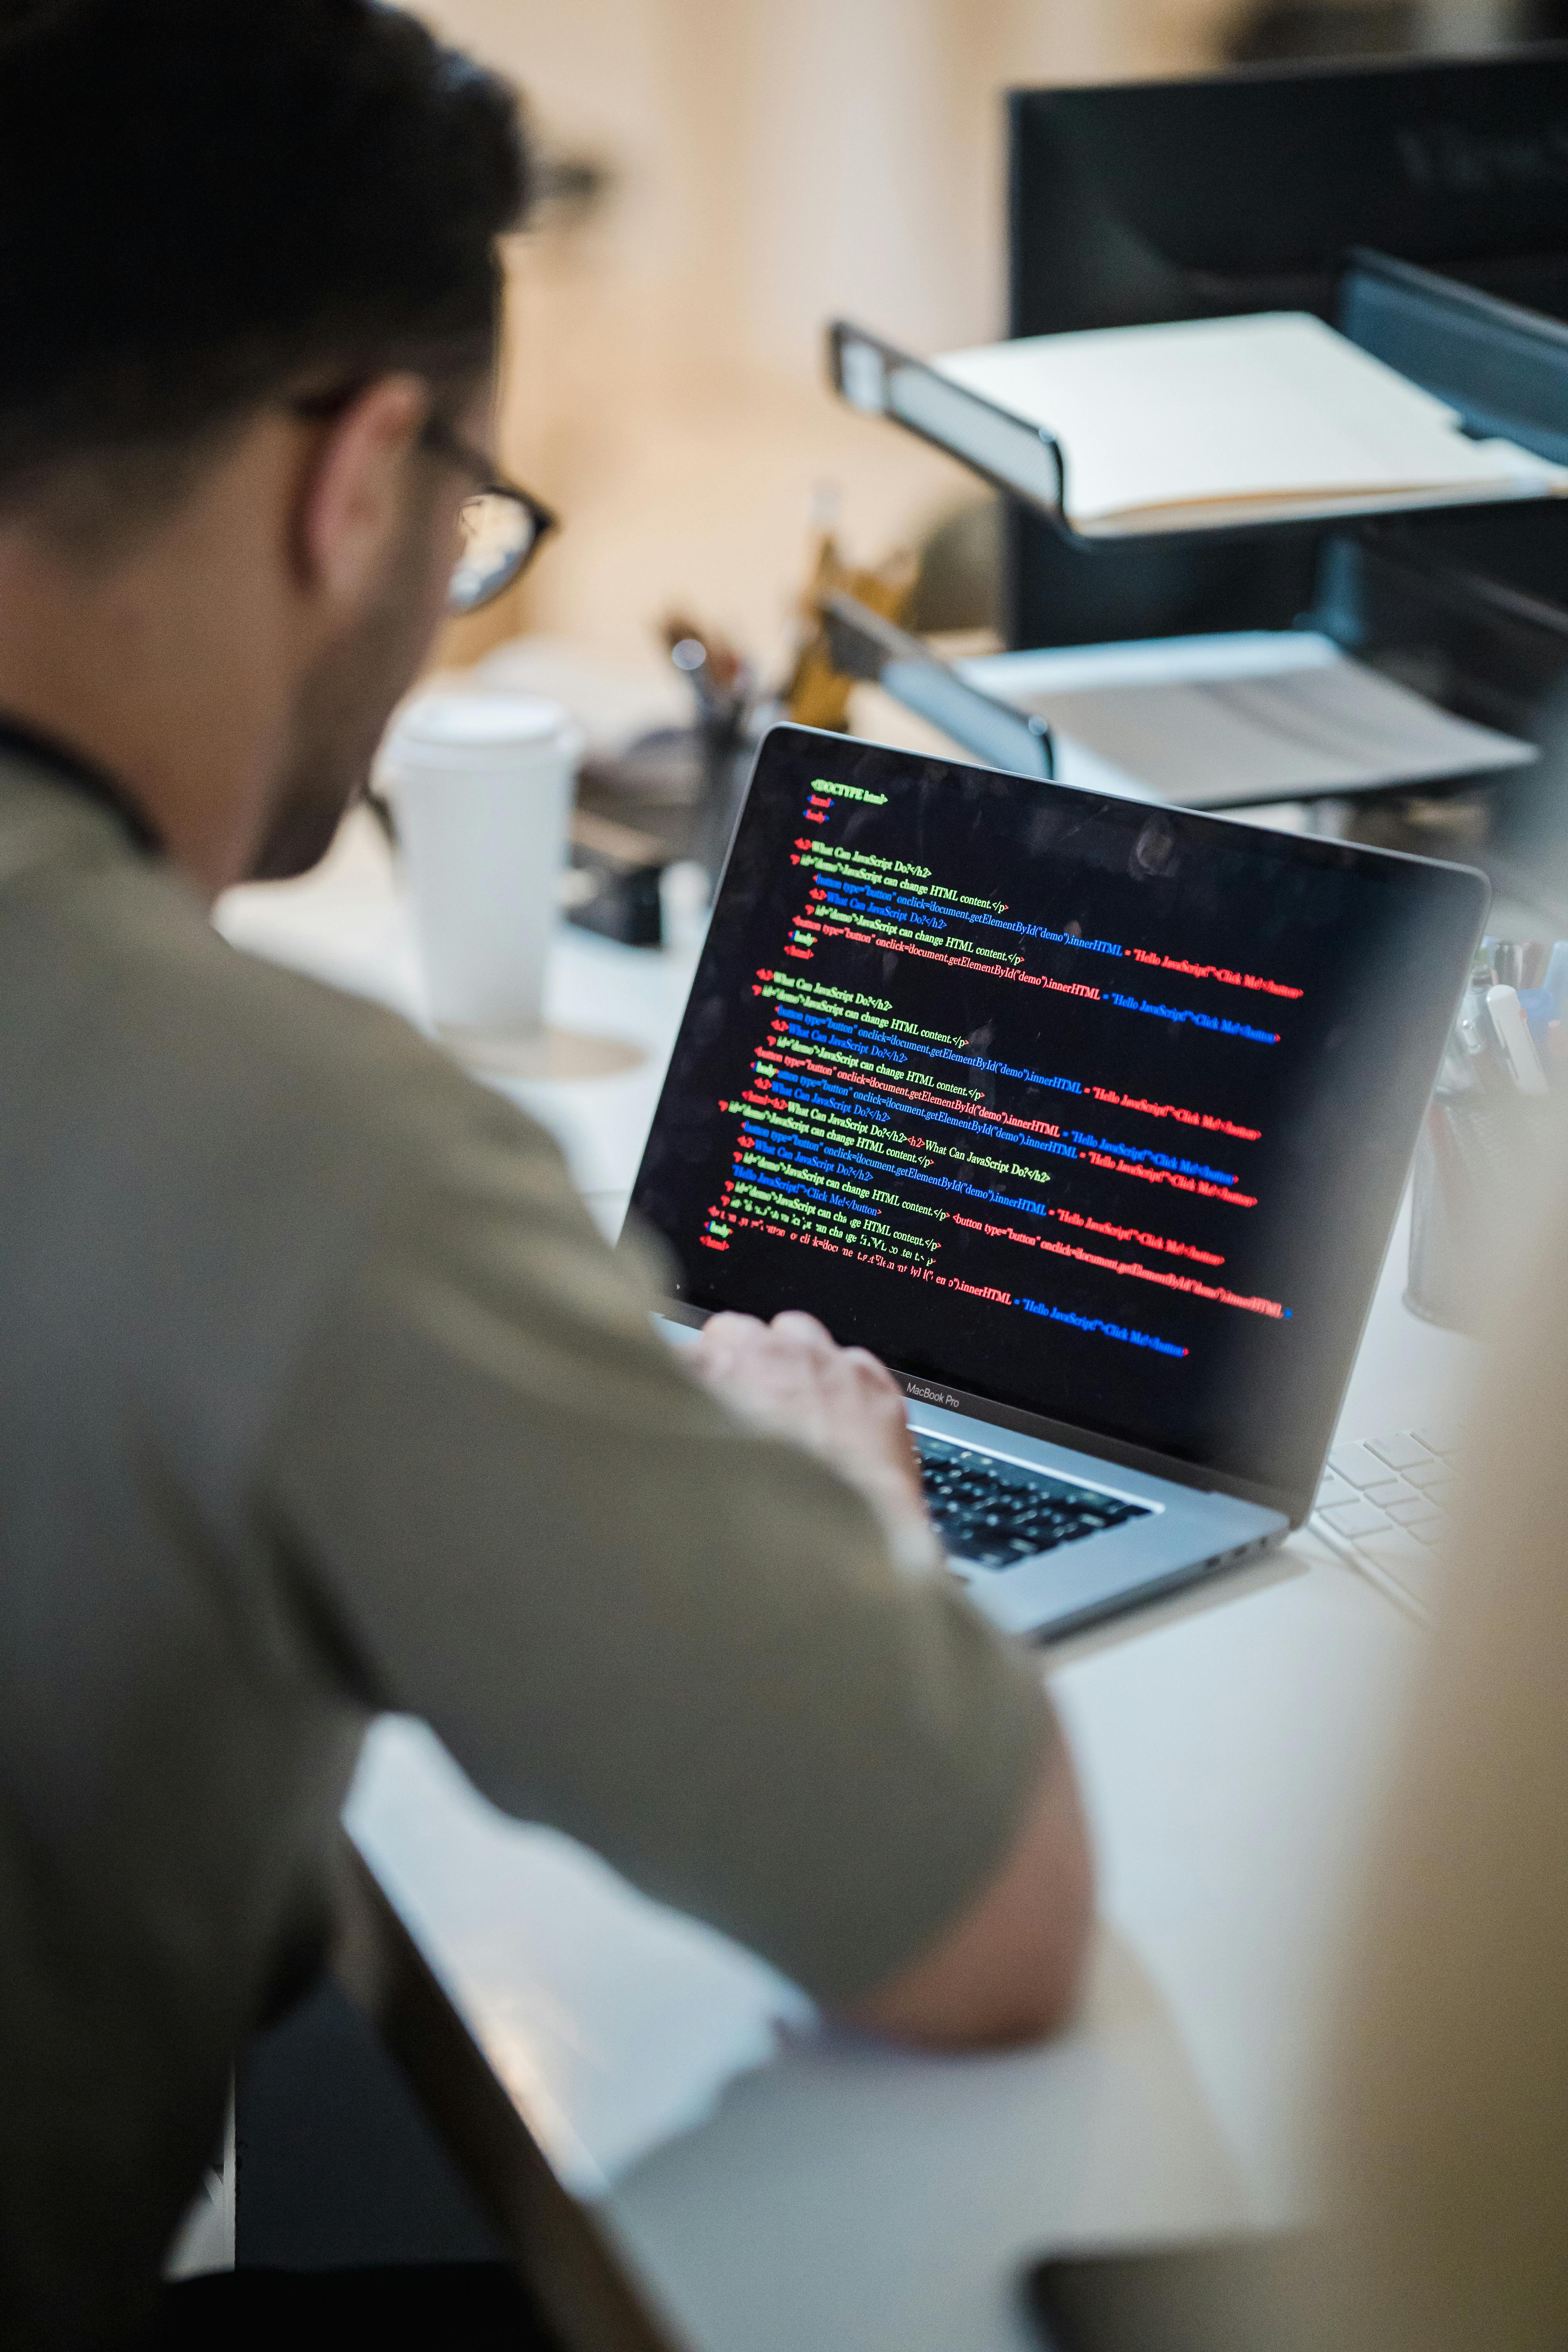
481	784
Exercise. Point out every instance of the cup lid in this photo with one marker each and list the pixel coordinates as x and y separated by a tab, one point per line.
454	720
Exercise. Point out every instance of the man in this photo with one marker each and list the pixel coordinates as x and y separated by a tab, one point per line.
317	1393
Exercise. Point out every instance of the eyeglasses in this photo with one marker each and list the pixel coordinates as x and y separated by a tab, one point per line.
503	525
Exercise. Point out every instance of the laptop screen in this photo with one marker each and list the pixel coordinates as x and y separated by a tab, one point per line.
1098	1112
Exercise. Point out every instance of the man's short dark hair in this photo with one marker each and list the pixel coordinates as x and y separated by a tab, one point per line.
207	203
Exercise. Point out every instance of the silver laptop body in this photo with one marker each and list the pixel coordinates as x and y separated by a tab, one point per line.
1101	1154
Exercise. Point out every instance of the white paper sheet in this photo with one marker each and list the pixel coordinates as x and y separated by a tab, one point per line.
1228	721
1181	424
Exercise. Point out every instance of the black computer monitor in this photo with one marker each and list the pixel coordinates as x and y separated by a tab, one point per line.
1244	191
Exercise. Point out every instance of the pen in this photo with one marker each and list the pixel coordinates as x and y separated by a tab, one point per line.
1540	1012
1556	980
691	658
715	671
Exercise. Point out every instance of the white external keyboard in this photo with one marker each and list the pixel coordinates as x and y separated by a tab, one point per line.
1381	1505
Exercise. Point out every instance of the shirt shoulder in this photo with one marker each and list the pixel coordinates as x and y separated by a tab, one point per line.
204	1148
191	1045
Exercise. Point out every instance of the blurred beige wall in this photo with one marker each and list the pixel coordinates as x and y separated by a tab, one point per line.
774	161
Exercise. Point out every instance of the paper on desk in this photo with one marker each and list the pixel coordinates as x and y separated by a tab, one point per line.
1234	719
1212	421
615	2022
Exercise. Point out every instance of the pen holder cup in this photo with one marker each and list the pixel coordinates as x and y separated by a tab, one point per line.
1472	1175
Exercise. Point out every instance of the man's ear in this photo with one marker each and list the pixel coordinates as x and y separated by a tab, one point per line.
354	497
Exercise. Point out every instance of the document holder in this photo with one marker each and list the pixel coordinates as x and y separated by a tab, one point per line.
1466	645
1439	616
881	380
864	644
1417	206
1213	195
1461	635
1502	367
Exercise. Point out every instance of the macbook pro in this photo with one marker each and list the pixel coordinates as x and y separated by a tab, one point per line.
1089	1118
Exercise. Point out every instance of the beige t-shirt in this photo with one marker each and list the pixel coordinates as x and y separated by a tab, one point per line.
320	1394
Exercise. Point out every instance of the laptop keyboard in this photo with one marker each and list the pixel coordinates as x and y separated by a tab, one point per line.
1383	1505
992	1515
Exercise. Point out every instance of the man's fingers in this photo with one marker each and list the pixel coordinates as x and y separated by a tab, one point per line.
874	1388
726	1340
791	1376
777	1376
879	1406
873	1372
804	1331
727	1326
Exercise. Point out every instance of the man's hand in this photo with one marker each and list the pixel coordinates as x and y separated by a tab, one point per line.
793	1378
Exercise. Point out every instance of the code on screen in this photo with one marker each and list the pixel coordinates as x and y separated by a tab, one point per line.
1085	1108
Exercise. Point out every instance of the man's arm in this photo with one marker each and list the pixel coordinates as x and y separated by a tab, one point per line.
631	1611
1009	1967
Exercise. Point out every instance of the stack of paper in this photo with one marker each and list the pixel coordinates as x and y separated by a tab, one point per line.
1218	422
1238	721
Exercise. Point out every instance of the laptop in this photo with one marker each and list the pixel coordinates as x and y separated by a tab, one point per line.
1089	1118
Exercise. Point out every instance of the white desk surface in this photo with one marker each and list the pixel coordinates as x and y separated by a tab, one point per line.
781	2187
